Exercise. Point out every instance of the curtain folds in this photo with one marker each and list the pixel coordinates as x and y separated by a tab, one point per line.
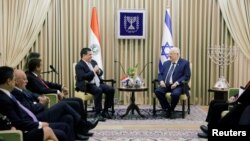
196	26
236	14
21	24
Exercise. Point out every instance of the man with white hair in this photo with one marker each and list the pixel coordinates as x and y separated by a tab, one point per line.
174	72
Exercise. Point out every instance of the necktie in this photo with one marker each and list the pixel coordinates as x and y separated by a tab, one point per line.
43	82
24	108
96	79
170	72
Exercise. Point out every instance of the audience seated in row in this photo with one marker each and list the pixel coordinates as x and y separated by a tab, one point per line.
60	117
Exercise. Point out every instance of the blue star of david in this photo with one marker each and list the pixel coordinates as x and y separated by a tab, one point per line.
163	53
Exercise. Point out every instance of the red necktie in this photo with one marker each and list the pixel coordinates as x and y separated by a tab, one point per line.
43	82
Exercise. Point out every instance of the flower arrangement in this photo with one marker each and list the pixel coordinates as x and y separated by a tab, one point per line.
131	71
131	79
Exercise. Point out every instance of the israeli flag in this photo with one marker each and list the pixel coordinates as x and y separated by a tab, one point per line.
167	40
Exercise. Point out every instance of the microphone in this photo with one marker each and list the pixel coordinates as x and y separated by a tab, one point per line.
144	67
120	66
53	69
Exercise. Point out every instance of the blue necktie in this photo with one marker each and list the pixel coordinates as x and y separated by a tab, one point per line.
24	108
170	72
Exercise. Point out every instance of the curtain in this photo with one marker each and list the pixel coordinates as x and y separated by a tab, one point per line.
21	21
196	25
236	14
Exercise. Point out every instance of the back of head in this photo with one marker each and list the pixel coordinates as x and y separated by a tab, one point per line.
31	56
33	63
5	74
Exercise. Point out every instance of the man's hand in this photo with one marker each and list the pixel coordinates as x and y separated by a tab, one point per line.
45	124
13	128
173	86
162	84
65	90
60	96
43	99
96	69
231	99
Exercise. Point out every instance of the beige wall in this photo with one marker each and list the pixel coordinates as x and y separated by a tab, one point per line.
196	25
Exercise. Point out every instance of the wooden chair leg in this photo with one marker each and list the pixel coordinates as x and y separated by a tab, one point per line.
183	108
113	110
86	107
188	104
154	106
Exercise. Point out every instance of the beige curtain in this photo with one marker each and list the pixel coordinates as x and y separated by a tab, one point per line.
21	21
236	13
196	25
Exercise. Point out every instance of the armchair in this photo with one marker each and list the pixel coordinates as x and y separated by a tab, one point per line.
11	135
184	98
53	99
87	97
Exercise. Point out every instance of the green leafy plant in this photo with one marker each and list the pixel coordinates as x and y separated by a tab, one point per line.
131	70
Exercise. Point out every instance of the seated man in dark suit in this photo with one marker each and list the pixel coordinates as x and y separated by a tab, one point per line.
171	76
37	85
87	70
56	112
43	134
22	118
231	119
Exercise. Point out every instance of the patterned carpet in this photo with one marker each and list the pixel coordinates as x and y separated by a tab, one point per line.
151	128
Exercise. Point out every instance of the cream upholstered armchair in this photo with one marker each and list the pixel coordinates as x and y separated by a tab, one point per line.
53	99
87	97
184	98
11	135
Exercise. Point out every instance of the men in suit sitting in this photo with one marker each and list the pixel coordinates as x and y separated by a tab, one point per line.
171	77
21	117
43	134
37	85
56	112
87	70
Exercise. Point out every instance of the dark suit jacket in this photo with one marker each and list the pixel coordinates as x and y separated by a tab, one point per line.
5	123
181	72
83	73
20	119
27	101
35	85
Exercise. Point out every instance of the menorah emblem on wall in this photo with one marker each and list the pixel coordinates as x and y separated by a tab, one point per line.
131	20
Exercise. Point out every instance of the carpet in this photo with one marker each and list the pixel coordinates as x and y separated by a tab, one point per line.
150	128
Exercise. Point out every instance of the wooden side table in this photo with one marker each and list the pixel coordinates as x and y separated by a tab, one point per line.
132	105
219	94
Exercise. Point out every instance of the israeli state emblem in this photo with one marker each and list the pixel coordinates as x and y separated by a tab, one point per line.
94	48
131	24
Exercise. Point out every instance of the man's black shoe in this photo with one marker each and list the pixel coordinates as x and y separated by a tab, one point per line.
203	135
204	128
172	115
105	114
89	134
100	117
91	124
82	137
